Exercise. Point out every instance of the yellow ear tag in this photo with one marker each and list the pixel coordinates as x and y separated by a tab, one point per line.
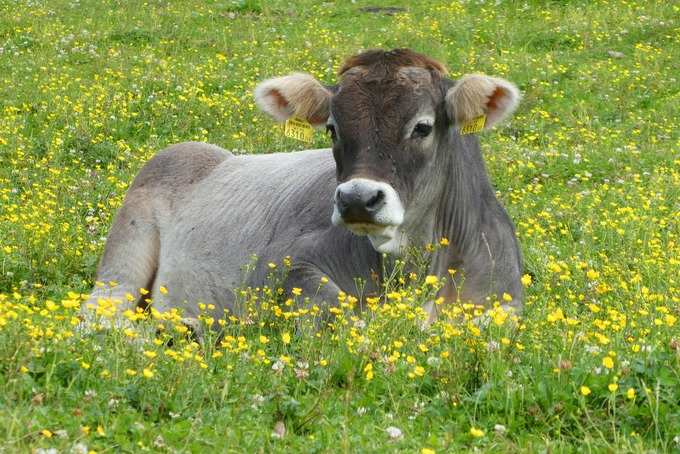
474	125
298	129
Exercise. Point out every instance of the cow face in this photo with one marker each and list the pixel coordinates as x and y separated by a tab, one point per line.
391	118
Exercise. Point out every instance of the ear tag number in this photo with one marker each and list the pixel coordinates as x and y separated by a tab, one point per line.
474	125
298	129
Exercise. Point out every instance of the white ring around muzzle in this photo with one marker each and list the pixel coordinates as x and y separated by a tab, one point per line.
384	230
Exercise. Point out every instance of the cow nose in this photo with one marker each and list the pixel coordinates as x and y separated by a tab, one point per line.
359	204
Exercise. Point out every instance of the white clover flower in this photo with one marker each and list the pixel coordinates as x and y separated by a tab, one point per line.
434	361
80	448
46	451
394	433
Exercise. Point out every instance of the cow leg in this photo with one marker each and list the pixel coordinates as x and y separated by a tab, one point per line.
129	262
321	293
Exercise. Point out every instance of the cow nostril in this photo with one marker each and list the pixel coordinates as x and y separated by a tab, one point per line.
341	198
376	199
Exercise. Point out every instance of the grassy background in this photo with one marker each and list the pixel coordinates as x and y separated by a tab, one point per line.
588	168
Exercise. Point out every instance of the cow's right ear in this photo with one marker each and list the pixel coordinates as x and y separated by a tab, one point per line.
296	95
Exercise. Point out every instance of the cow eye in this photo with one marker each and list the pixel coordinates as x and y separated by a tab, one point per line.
330	129
421	131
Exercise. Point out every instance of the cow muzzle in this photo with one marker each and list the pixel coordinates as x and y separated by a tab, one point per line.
367	207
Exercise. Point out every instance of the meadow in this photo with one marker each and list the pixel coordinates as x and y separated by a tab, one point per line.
588	168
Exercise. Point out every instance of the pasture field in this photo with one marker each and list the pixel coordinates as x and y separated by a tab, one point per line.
588	168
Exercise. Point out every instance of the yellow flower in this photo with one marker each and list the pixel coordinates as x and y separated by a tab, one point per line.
264	339
526	280
419	371
369	371
46	433
630	393
163	290
507	297
592	275
285	337
84	365
613	387
431	280
585	390
427	451
475	432
444	241
100	431
148	373
556	315
608	362
131	372
296	291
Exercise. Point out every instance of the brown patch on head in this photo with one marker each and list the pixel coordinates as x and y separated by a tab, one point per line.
393	60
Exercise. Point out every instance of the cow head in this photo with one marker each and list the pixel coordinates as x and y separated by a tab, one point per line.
391	118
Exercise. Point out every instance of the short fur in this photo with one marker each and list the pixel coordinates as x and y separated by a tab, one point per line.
393	60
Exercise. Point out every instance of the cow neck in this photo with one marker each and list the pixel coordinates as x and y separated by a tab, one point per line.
461	204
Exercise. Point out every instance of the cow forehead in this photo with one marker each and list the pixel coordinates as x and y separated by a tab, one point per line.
386	77
363	89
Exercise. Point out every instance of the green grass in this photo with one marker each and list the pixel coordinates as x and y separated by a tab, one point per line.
588	168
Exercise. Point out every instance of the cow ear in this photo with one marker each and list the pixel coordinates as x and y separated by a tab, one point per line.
296	95
475	95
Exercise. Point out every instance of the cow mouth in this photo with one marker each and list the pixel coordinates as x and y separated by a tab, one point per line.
383	238
372	229
364	228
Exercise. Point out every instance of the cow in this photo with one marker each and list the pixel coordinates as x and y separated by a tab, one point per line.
399	174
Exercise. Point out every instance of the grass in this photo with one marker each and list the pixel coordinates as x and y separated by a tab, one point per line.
589	169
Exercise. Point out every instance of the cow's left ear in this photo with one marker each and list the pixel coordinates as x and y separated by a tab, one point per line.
296	95
475	95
